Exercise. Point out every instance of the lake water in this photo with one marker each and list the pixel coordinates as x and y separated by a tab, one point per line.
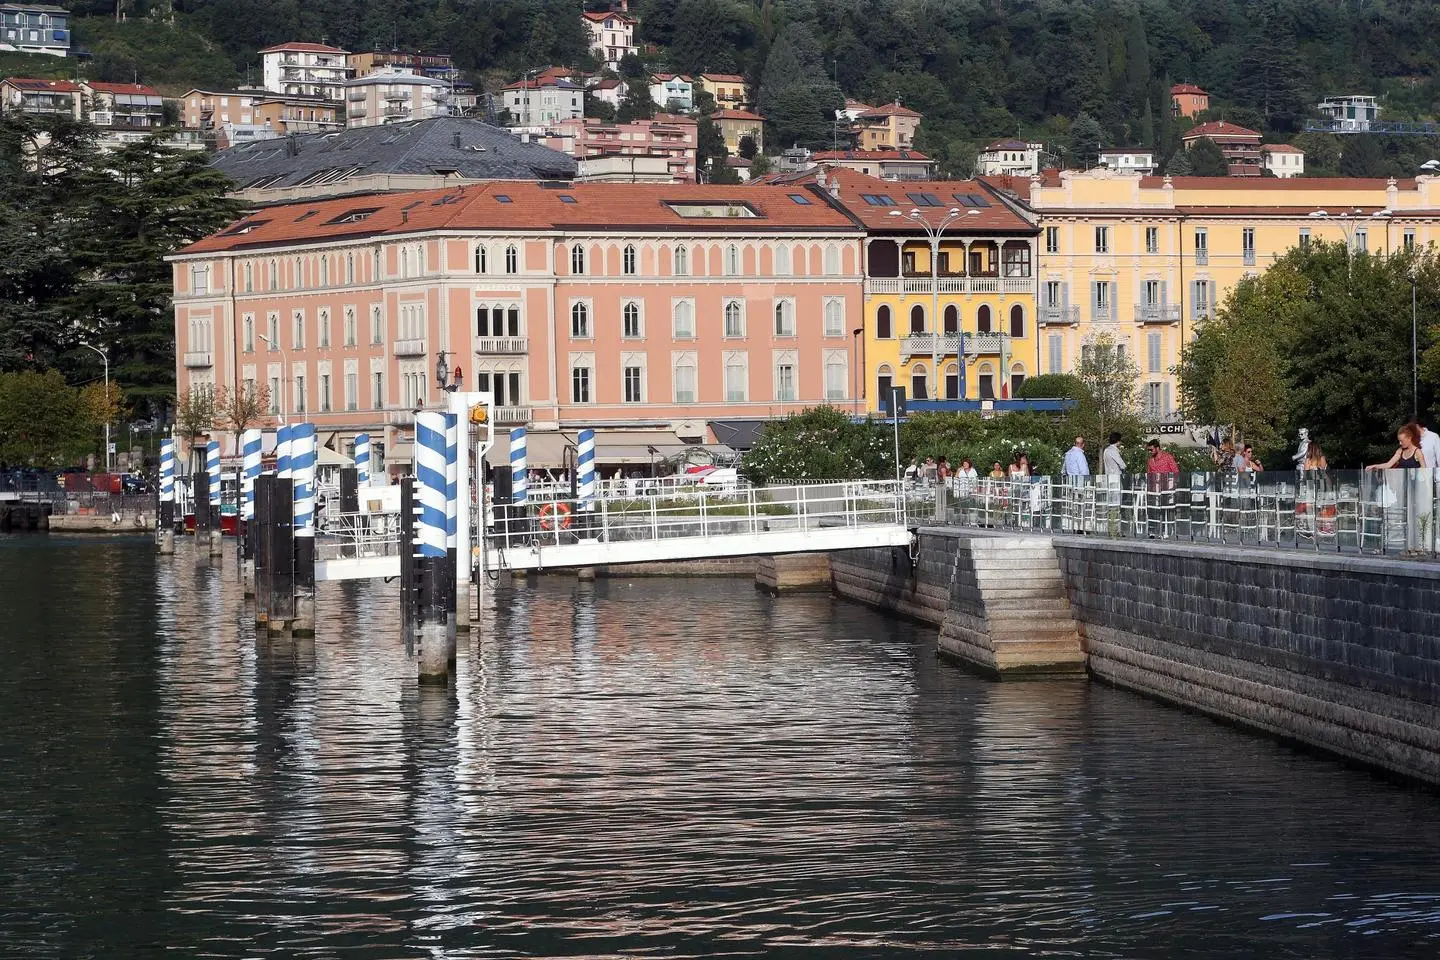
673	768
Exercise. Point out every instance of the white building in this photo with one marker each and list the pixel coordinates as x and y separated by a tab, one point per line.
541	102
608	90
1009	158
34	28
672	92
305	69
612	34
1128	160
1352	114
1282	159
390	95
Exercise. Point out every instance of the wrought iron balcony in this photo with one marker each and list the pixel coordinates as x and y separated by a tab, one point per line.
1054	316
1157	313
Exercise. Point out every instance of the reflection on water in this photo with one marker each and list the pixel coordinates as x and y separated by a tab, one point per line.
669	767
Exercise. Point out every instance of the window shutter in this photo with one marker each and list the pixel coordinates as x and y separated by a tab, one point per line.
1165	398
1164	297
1065	300
1094	298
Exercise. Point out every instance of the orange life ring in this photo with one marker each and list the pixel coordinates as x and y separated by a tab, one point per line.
549	514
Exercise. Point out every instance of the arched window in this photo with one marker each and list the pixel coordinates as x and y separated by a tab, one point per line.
682	262
482	321
982	319
1017	322
577	260
952	381
249	278
325	271
684	326
512	259
512	322
299	280
630	317
832	260
884	381
274	277
919	386
627	260
1017	378
882	323
481	258
349	268
952	320
732	261
734	319
784	266
985	377
917	319
404	261
580	321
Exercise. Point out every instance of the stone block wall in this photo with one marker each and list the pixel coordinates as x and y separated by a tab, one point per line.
1341	653
712	567
790	572
887	579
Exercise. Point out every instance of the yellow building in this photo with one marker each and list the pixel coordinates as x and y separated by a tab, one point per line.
891	127
1142	259
728	89
736	125
973	321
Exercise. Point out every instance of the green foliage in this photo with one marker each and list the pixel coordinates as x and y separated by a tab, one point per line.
173	55
1052	386
820	444
1320	340
1109	379
44	422
1207	160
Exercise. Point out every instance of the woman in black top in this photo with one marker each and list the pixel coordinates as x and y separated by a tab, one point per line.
1408	457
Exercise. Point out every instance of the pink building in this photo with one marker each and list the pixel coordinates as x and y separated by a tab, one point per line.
625	307
670	136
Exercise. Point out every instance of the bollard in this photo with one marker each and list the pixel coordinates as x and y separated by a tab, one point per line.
436	576
212	498
409	578
302	466
165	506
260	537
281	533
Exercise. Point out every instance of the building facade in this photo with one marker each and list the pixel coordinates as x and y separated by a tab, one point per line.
34	28
736	125
1282	160
1128	159
1352	114
305	69
728	89
1144	259
389	95
41	97
1009	158
673	138
607	305
1239	145
885	164
672	92
1188	100
435	65
967	330
540	102
891	127
611	33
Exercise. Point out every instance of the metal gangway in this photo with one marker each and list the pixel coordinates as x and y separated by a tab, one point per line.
666	525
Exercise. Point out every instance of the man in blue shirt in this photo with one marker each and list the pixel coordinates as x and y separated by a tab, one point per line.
1075	463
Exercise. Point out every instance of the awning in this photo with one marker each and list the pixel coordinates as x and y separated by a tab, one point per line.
546	449
738	434
329	458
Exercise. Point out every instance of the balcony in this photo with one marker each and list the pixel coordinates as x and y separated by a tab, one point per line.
926	344
198	358
913	284
1017	285
1055	316
1102	315
491	346
408	348
1157	313
1202	258
512	416
1249	257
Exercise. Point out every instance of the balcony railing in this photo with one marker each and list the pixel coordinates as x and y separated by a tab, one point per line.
1050	316
925	285
1157	313
1202	258
926	344
198	358
1249	257
1098	315
408	348
512	415
500	345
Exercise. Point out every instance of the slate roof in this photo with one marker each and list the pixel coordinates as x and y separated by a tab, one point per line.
418	147
991	213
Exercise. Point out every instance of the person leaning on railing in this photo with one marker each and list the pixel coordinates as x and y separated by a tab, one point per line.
1408	456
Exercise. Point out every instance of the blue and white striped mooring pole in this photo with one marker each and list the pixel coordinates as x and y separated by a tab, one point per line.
452	481
302	471
212	470
518	471
585	469
165	516
432	526
249	470
362	459
282	451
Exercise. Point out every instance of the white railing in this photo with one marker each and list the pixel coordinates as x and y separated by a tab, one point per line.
924	344
1017	284
197	358
493	345
512	415
408	348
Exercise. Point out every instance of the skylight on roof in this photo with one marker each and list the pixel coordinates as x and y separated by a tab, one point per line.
924	199
355	216
878	199
306	215
971	200
240	229
566	198
737	210
502	198
800	198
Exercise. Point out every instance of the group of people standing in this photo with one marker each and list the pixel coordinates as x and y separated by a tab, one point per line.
1112	459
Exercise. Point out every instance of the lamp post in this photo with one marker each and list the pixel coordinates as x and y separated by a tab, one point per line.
105	358
1347	221
443	378
1414	351
285	361
933	232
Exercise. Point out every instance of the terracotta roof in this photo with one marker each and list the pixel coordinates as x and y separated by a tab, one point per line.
303	48
1019	186
207	92
870	155
993	216
608	83
528	207
736	115
1007	145
1188	88
134	89
889	110
1219	128
851	104
1278	184
1280	148
556	73
543	83
599	15
30	83
723	77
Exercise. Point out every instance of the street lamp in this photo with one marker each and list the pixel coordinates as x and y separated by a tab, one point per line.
1414	351
285	360
443	379
934	231
105	358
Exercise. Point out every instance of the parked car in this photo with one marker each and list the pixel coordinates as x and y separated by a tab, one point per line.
134	483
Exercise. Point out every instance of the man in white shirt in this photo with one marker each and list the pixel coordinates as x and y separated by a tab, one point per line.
1075	463
1429	445
1112	461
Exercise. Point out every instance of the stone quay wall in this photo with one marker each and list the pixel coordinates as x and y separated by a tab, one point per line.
1339	653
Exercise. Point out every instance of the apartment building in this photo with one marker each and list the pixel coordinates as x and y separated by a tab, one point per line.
670	137
967	330
612	306
437	66
672	92
1144	259
305	69
202	109
891	127
122	112
1128	159
1239	145
885	164
1188	100
542	101
41	97
728	89
391	95
34	28
736	125
1282	160
611	34
1009	157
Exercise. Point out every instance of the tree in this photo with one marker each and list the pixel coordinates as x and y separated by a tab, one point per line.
637	104
1110	379
722	172
747	147
242	409
43	420
1362	157
821	443
195	412
1206	159
760	165
1087	136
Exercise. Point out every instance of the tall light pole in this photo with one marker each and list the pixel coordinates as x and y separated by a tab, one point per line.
933	232
1414	351
105	358
285	365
